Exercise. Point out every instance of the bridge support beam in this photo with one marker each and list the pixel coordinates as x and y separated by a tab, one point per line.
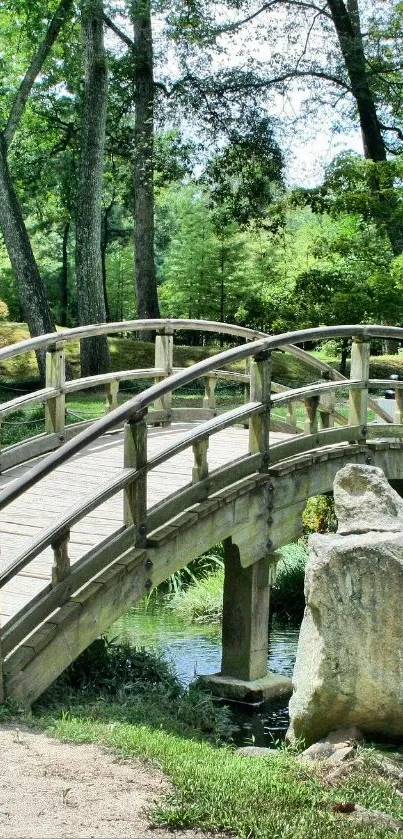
245	632
1	677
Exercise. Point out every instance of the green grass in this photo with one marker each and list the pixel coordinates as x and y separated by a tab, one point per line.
131	702
216	790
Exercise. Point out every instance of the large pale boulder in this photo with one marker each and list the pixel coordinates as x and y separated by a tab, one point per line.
349	667
364	501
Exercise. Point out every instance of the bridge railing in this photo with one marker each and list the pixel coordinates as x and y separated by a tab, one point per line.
139	521
57	389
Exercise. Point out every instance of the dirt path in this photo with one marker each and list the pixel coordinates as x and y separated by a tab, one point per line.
60	790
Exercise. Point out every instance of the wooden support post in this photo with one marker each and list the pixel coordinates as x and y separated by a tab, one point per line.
292	414
358	397
260	383
200	466
1	677
55	377
209	393
311	405
61	559
247	387
328	399
399	406
164	360
112	390
135	494
245	625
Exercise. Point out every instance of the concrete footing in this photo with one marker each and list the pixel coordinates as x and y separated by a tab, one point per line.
271	686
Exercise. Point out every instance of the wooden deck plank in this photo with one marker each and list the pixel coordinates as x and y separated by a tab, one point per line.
42	505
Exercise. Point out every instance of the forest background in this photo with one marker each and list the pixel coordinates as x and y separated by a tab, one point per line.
142	169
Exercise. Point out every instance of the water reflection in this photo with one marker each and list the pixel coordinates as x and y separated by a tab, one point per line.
195	649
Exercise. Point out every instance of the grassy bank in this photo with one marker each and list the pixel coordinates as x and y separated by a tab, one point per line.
131	703
201	601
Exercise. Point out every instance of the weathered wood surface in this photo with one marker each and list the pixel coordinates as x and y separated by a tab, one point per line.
42	505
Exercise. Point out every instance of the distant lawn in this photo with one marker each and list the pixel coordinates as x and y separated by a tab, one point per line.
127	353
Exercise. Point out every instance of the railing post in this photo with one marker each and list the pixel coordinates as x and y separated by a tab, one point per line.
311	405
209	393
135	494
358	397
399	406
61	559
55	377
200	466
164	359
292	413
260	384
112	390
1	676
246	390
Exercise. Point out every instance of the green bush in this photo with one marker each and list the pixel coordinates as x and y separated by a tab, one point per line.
136	686
287	594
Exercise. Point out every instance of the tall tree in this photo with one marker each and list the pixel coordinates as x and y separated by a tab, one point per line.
144	269
90	294
32	294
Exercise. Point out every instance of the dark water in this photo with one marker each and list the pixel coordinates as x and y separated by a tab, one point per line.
195	649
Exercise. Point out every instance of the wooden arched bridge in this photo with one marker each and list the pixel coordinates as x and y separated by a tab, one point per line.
93	515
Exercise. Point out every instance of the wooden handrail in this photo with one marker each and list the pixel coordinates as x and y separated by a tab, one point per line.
138	404
202	432
125	477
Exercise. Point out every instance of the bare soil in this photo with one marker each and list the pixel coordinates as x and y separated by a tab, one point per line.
68	791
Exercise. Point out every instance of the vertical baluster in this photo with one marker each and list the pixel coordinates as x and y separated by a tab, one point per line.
399	406
247	386
61	559
200	466
311	405
260	383
135	494
292	414
209	402
55	377
164	360
358	397
327	417
1	676
112	391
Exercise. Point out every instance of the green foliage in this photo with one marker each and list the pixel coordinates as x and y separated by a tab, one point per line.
200	602
287	595
319	515
136	686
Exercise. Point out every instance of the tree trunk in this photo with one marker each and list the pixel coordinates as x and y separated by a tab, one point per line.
32	295
64	276
33	300
90	297
104	247
144	268
346	20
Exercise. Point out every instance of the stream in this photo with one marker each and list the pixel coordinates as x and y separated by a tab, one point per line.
195	649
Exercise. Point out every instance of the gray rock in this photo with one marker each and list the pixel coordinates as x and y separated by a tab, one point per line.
344	736
372	818
364	501
256	751
329	752
349	666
